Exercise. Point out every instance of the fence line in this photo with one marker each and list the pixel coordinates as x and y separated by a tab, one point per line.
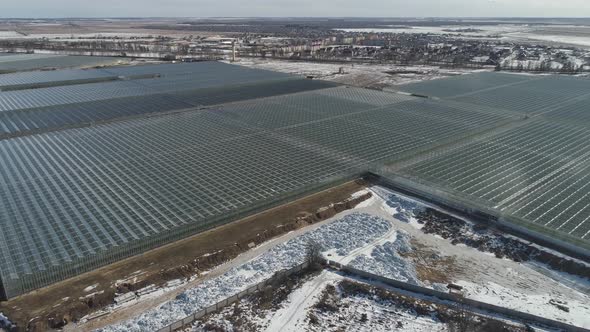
469	303
234	298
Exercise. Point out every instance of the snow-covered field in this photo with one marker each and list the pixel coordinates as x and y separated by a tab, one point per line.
495	294
478	30
582	41
120	36
372	239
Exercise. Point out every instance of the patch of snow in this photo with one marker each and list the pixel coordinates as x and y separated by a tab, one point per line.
5	322
212	253
90	288
437	286
385	260
174	283
359	193
400	207
91	295
293	315
561	39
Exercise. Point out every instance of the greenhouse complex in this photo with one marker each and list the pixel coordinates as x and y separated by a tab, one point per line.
98	165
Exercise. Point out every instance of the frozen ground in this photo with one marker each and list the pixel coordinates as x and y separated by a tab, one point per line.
568	35
371	239
335	236
359	312
301	311
294	313
363	75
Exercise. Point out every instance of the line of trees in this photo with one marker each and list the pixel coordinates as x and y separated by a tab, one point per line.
542	66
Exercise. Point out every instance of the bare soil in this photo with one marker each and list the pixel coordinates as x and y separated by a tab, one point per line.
68	301
456	318
430	266
487	239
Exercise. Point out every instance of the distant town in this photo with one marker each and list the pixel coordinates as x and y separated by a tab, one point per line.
532	46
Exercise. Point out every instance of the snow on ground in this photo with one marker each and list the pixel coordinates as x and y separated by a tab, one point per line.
357	74
351	312
544	305
381	315
293	315
4	322
385	260
90	288
363	312
9	34
336	236
399	207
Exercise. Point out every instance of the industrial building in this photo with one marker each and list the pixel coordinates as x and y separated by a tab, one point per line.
99	165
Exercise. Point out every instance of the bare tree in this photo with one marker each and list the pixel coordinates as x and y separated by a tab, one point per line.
313	255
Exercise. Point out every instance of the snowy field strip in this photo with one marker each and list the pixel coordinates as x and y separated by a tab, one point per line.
385	260
538	305
344	235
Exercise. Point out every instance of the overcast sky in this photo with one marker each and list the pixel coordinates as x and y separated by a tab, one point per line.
276	8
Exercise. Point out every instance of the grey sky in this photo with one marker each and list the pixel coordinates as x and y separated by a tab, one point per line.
241	8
